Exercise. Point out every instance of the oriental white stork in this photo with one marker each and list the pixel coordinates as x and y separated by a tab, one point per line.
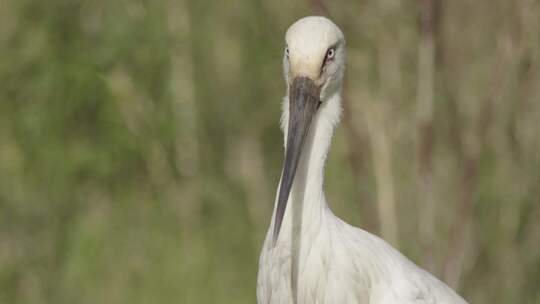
311	256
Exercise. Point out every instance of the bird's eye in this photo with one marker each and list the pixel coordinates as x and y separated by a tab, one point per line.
330	53
287	52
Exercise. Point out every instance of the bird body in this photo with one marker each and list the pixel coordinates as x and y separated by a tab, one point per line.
310	255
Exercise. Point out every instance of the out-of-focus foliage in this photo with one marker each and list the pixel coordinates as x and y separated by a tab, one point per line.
140	145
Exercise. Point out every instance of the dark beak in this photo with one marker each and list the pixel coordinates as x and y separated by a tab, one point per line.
303	104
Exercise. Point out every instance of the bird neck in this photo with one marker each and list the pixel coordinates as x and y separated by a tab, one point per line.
307	202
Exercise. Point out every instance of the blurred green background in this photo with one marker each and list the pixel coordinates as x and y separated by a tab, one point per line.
140	146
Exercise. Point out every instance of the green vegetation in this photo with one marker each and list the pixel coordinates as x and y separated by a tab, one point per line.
140	146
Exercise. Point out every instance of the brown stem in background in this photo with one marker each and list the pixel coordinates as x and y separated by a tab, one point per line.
319	7
425	132
460	231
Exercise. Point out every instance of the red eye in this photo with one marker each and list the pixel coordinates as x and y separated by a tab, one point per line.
330	53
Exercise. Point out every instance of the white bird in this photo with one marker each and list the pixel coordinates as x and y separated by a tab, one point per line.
310	255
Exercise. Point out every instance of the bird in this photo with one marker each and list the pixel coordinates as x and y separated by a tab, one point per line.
310	255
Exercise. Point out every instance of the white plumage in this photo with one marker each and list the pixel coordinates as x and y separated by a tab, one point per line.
310	255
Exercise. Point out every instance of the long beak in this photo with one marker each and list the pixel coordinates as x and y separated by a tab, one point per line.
303	104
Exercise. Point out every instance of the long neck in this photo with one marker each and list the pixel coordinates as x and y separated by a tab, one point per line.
306	201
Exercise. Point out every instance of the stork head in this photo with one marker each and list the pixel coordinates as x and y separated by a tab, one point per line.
313	64
315	51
